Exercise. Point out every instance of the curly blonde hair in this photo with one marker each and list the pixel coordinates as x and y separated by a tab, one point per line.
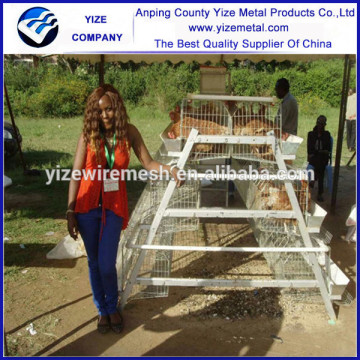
92	128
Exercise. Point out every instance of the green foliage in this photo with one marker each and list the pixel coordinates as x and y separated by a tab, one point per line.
326	80
311	105
247	82
130	84
59	97
61	90
167	85
46	91
87	73
22	81
23	77
321	79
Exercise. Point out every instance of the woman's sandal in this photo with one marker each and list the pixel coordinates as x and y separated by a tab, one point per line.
118	327
103	328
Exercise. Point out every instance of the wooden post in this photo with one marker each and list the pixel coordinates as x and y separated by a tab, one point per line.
6	350
351	159
101	70
36	61
345	90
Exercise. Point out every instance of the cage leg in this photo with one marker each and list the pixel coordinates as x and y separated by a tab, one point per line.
305	236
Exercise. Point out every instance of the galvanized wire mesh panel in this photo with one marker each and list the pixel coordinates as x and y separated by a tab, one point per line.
323	236
254	119
346	299
136	232
272	195
185	197
281	233
142	215
289	266
157	263
209	118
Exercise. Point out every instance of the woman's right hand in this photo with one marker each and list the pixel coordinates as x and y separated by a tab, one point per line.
72	225
174	173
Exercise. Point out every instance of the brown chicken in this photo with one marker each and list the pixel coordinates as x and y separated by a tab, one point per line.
205	127
240	119
248	123
255	127
276	198
243	117
271	197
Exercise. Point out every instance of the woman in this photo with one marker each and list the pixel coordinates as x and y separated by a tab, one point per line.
97	207
319	149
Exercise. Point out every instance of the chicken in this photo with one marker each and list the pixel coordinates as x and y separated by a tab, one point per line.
272	197
276	198
246	122
240	119
256	127
205	127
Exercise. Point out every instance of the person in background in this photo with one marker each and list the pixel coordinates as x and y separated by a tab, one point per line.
288	108
318	150
351	120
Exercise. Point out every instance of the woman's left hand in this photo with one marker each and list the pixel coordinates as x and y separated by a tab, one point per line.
175	174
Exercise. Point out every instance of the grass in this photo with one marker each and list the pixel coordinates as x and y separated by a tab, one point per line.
307	123
46	144
51	142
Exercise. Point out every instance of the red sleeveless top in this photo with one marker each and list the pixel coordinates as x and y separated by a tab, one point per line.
89	191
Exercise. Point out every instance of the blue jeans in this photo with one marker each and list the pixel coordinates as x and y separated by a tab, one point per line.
101	255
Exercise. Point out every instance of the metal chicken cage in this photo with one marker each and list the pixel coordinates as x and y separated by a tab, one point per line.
224	115
169	231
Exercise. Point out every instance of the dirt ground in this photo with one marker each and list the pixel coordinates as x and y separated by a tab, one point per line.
190	321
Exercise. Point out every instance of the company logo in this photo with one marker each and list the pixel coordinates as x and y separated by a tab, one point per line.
38	27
